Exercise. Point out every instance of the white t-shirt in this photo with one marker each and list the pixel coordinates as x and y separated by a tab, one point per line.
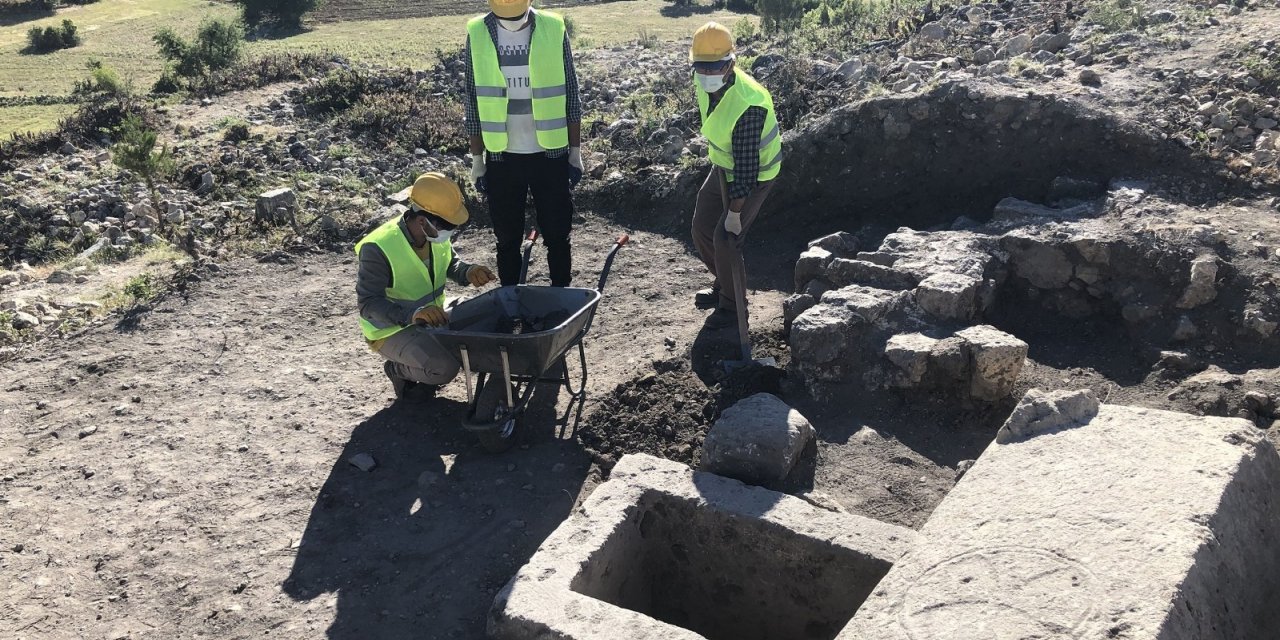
513	57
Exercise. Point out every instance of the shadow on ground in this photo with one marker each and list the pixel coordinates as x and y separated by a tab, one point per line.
417	547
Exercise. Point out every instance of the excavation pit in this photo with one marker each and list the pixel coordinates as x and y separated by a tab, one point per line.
661	551
727	577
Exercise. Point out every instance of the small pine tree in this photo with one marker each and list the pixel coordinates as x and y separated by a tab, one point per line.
135	152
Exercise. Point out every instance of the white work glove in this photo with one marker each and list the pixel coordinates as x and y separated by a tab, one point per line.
733	222
575	166
478	169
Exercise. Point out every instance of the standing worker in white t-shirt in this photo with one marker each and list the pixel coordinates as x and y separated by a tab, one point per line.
523	110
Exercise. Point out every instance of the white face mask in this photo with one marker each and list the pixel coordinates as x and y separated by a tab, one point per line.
514	24
441	237
710	84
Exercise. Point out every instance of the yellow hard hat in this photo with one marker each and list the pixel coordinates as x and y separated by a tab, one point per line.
438	195
508	8
711	42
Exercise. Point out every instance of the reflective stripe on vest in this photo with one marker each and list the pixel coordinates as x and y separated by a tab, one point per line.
411	283
718	127
546	77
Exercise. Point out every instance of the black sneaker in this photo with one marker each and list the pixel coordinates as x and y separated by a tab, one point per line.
400	385
707	298
722	318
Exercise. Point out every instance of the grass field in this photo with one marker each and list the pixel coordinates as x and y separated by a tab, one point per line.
119	33
32	118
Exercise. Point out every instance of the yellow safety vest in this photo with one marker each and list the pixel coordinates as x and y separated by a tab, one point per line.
546	77
411	283
718	127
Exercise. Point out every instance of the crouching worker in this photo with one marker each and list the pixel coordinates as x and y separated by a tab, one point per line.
400	286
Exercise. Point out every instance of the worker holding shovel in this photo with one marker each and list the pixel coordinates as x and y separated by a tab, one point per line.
404	266
745	149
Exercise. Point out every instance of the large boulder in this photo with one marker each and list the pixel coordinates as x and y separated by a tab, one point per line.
758	440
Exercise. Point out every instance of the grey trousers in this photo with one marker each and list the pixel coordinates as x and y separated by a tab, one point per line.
720	250
418	357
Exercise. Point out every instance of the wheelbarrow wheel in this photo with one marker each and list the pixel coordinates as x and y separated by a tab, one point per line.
491	406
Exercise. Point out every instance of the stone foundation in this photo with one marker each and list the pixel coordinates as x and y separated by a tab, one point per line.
660	551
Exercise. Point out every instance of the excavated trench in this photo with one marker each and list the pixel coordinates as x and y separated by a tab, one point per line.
959	149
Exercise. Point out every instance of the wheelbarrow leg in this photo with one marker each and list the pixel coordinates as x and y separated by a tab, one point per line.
466	372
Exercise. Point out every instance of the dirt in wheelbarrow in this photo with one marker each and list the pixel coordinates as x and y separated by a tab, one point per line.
667	411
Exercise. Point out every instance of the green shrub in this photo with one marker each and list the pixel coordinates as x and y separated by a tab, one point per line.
647	39
337	91
52	38
218	45
103	80
142	287
168	82
1117	15
237	132
282	13
259	72
743	30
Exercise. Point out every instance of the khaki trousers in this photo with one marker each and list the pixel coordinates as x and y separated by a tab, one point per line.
418	357
720	250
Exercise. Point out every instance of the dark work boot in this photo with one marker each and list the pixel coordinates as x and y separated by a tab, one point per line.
400	385
722	318
707	298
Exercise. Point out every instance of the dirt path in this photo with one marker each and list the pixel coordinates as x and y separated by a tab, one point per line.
188	475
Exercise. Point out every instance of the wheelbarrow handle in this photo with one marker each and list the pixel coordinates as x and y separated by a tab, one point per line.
608	261
528	251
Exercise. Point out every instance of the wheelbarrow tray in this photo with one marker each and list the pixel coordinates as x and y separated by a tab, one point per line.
475	325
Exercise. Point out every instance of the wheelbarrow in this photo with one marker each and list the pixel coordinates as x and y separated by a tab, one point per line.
510	339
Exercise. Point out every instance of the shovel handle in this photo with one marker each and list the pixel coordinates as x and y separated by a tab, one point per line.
608	261
528	251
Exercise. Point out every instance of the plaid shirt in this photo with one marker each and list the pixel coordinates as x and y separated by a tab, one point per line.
573	108
746	146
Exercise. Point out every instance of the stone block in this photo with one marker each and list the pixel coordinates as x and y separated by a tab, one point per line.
995	360
843	272
1048	411
269	206
948	296
841	244
1043	265
757	440
909	352
793	306
949	360
868	303
820	334
1139	524
811	265
1202	288
660	552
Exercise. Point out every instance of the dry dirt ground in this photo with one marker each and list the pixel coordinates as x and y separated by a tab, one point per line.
183	470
